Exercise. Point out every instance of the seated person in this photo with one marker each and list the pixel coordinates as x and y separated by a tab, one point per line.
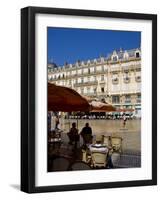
86	134
99	147
73	134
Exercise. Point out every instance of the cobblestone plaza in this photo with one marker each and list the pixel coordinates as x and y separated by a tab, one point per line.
131	134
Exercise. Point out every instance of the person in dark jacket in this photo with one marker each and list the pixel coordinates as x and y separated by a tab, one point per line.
86	134
73	135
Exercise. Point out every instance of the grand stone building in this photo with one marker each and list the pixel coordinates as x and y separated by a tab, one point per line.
115	79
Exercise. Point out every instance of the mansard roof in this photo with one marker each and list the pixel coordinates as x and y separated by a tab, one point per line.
119	53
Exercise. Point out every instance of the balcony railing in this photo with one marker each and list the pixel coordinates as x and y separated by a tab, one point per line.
86	83
81	74
116	102
128	101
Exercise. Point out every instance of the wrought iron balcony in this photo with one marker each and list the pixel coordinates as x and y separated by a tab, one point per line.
86	83
127	100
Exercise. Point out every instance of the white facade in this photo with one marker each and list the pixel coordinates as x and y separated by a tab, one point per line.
116	79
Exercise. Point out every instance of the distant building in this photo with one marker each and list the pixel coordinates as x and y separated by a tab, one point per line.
115	79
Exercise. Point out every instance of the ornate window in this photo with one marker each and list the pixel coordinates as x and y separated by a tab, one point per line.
102	77
114	58
126	77
138	98
82	80
115	80
127	99
102	68
82	90
115	99
95	90
102	89
88	90
138	78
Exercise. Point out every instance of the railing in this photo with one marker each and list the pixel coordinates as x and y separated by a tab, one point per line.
128	101
86	83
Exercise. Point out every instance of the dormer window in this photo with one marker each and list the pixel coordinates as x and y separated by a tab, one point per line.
126	55
137	55
114	58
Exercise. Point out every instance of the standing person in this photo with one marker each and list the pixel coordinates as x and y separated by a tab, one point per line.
86	134
124	120
73	135
56	121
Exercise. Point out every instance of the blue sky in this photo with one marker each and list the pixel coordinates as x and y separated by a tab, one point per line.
71	44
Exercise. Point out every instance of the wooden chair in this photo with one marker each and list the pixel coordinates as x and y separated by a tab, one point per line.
86	156
99	159
116	143
99	138
107	141
115	158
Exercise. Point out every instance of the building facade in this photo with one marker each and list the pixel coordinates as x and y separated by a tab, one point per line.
115	79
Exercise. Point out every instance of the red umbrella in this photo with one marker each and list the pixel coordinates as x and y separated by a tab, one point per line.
65	99
101	107
125	110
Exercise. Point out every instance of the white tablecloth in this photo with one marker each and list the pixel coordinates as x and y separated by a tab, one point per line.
98	148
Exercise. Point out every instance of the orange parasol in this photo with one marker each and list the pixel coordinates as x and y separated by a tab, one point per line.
101	107
65	99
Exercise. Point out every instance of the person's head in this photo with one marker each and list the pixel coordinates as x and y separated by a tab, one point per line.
87	124
73	124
